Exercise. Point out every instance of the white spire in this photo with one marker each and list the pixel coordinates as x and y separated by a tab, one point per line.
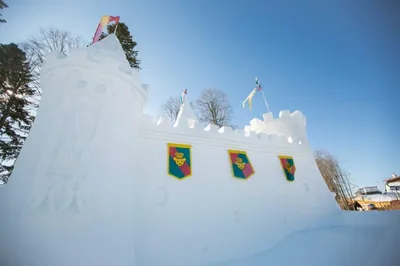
186	113
112	45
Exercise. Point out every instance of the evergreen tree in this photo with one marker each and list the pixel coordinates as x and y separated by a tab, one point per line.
15	115
2	5
125	38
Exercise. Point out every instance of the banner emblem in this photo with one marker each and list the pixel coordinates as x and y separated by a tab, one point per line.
240	164
179	160
288	167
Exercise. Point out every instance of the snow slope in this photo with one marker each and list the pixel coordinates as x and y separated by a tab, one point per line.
91	186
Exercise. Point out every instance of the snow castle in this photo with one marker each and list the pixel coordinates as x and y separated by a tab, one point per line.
98	183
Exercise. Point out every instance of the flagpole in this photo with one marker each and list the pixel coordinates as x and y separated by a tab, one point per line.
116	26
262	91
265	100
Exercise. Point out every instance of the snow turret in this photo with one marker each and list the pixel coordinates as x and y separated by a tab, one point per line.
85	130
106	59
186	114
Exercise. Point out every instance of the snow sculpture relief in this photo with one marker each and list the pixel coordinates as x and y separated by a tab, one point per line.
65	180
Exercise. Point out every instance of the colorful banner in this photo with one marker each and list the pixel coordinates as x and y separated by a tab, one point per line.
249	98
104	21
179	160
288	167
241	165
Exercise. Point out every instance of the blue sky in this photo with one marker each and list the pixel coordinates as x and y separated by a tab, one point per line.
338	62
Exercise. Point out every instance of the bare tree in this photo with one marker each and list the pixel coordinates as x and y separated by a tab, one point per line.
49	40
336	178
213	107
171	108
38	47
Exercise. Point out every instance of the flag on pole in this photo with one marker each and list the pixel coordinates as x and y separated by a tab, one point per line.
259	88
258	85
105	20
252	93
249	98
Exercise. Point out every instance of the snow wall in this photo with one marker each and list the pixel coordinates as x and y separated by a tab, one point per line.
91	185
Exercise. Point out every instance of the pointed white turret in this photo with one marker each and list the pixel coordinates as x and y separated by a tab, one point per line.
186	113
111	46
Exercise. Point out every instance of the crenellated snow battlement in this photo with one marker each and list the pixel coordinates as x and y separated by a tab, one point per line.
285	132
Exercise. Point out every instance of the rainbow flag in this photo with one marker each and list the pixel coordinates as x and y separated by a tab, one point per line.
105	20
